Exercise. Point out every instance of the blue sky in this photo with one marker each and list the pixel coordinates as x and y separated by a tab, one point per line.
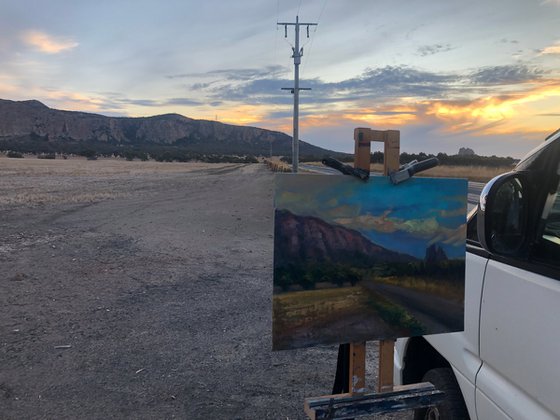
407	217
448	74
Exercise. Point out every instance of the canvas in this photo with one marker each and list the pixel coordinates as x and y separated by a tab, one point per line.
357	261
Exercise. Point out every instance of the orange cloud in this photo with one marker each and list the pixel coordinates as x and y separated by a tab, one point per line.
500	115
553	49
460	113
284	125
384	117
71	101
60	99
526	112
241	114
529	111
7	87
47	43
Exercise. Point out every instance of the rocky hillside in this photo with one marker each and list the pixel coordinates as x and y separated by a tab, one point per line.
33	122
305	239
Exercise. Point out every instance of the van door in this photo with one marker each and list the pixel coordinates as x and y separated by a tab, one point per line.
520	325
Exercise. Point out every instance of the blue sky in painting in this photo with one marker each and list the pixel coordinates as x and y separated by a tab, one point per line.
407	217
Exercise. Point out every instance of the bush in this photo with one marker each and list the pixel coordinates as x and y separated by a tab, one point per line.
12	154
46	156
89	153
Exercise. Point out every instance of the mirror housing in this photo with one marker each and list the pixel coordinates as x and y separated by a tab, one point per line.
503	214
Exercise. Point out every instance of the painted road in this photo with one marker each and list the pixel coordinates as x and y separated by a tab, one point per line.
435	313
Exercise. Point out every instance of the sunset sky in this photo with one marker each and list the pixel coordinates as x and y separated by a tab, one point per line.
482	73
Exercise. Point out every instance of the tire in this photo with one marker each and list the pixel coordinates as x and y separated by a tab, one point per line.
453	407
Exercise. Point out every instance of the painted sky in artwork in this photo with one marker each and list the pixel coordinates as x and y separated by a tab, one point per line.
448	74
407	217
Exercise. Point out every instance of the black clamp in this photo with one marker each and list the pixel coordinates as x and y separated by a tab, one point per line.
346	169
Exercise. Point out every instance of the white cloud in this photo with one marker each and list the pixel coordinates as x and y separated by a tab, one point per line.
427	228
552	49
47	43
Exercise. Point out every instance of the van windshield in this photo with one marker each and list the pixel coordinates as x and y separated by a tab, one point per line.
537	154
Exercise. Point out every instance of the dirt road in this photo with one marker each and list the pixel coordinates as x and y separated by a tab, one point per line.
150	300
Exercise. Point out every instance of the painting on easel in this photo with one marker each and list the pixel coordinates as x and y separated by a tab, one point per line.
357	261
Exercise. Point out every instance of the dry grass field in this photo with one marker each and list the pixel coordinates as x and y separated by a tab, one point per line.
143	290
31	181
472	173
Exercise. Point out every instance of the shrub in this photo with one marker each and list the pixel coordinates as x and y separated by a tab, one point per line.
12	154
89	153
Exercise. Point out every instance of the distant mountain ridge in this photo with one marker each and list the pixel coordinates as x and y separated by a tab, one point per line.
301	239
32	121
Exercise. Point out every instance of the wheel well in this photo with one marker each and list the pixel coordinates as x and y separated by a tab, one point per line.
421	357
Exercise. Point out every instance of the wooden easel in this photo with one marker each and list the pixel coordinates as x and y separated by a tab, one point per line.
391	140
388	398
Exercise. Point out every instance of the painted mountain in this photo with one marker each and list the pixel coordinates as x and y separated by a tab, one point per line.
307	238
357	261
34	127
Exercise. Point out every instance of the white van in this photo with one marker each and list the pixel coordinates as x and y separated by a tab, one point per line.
506	364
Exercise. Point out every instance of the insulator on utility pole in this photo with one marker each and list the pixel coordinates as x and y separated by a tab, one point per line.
297	54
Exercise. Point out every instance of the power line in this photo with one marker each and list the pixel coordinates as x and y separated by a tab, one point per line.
306	58
299	7
275	51
276	35
297	54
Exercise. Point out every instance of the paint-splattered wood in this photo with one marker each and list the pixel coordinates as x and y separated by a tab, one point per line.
348	406
357	379
386	366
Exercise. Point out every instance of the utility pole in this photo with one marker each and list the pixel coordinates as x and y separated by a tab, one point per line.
297	54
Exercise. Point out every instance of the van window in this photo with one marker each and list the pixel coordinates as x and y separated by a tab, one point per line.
548	249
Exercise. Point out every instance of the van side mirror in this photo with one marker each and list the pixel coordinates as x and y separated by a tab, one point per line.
503	214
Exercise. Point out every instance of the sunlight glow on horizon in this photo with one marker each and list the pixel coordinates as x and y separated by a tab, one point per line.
459	75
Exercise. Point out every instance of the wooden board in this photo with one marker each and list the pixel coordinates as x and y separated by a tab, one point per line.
349	406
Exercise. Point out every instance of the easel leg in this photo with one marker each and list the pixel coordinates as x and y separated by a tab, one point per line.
386	364
357	374
341	385
350	369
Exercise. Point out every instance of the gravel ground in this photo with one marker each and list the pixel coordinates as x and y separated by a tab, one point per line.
146	295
